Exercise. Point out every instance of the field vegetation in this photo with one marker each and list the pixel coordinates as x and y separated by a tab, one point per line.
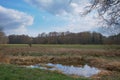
104	57
12	72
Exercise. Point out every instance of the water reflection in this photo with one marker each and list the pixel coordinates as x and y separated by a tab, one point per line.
85	71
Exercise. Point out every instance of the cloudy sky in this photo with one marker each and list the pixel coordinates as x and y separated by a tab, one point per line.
32	17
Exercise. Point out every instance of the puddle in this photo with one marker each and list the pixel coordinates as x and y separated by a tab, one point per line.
85	71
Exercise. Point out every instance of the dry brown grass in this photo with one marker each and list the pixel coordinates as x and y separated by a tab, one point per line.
41	51
108	60
4	58
113	66
102	58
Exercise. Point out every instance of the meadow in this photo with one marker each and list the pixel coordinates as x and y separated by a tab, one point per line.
13	56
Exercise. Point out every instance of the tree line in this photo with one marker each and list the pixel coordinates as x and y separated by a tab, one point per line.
61	38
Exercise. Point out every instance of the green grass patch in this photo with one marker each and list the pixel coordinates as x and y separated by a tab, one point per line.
11	72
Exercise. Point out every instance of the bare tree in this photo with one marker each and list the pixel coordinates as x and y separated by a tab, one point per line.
109	12
3	37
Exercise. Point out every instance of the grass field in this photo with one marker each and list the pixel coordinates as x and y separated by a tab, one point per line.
65	46
10	72
105	57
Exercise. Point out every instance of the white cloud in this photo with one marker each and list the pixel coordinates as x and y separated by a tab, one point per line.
52	6
79	24
70	11
60	6
13	21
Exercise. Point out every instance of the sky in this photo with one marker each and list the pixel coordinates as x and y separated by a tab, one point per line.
32	17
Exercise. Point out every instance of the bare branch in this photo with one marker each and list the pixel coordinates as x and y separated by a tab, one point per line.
109	11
